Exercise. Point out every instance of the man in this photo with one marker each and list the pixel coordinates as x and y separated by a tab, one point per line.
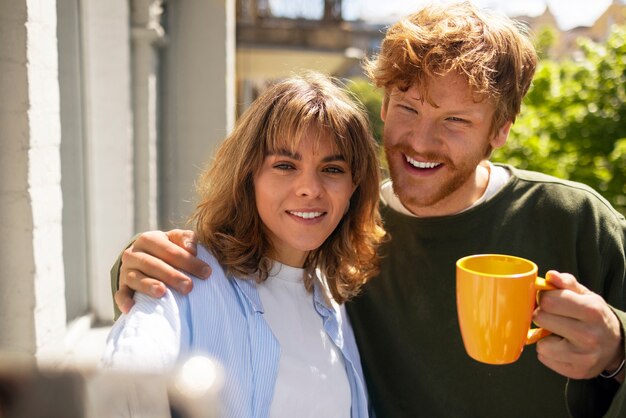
454	78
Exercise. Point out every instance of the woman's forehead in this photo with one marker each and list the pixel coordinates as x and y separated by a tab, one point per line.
295	138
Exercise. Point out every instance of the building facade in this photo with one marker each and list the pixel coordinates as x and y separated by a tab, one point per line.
109	109
565	44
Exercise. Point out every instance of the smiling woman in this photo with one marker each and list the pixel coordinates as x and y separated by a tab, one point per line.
302	196
288	221
293	119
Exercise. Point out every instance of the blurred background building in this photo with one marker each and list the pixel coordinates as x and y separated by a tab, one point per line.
110	108
270	47
565	40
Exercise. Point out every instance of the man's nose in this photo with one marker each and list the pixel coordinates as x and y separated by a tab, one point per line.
423	135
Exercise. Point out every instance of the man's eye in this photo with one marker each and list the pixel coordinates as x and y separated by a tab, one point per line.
408	108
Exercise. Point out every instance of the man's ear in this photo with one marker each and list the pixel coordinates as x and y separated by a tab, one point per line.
383	107
499	139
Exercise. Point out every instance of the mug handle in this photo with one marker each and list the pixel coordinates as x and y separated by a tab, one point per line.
535	334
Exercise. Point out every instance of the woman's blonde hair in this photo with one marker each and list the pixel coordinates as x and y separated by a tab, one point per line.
492	52
227	220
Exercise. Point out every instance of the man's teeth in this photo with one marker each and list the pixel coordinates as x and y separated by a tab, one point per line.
306	215
420	164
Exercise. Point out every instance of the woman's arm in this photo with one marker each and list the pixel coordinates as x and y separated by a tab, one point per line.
148	337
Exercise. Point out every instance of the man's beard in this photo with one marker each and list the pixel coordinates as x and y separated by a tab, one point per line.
410	191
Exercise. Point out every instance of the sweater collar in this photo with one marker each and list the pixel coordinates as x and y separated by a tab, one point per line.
498	177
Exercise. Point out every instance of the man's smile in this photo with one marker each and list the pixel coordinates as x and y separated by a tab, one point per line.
421	164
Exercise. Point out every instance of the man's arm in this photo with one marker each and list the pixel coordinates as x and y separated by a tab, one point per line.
155	259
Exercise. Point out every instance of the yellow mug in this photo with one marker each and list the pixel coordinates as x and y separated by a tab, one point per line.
496	295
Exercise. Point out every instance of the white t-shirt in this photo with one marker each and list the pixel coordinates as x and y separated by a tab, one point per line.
311	369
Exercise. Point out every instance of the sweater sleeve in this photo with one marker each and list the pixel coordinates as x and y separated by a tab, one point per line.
600	397
115	278
618	406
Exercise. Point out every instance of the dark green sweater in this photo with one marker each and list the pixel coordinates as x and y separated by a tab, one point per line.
406	323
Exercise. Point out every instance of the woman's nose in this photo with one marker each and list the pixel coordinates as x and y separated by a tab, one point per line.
309	184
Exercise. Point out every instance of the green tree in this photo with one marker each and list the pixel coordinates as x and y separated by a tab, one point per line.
573	121
372	99
544	41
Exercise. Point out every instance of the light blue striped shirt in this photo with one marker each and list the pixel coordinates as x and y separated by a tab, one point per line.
223	318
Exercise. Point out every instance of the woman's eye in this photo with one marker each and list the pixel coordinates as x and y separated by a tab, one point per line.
283	166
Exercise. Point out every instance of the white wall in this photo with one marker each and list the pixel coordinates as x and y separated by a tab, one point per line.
97	150
32	280
108	140
198	99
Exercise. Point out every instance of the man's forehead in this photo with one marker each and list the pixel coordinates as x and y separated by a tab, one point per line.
450	87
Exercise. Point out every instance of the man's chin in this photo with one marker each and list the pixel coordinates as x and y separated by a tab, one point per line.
421	203
416	204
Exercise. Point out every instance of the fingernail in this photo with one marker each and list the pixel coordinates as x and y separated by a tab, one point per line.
206	272
156	291
189	245
185	287
127	306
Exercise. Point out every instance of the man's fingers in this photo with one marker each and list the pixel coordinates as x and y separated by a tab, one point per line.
571	299
184	238
583	320
124	298
146	274
588	308
583	335
141	283
566	281
135	281
558	354
157	245
590	330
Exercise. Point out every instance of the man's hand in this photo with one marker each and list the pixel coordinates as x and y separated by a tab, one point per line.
153	259
587	338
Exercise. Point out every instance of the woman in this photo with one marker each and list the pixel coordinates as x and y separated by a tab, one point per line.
288	221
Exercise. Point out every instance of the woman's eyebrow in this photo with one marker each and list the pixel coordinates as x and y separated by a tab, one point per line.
296	155
283	152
